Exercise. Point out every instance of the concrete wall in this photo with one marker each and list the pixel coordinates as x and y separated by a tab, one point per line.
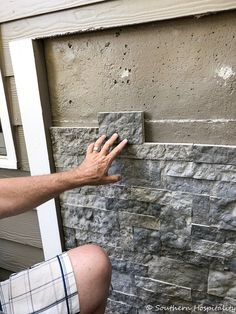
169	225
180	72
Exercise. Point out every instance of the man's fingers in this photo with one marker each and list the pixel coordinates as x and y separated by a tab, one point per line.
112	179
99	142
90	148
109	143
116	151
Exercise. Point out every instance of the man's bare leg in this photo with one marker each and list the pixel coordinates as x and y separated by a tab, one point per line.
92	269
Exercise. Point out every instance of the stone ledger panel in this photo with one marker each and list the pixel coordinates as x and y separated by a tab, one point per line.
129	125
169	226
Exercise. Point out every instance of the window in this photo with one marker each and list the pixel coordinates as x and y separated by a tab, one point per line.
7	149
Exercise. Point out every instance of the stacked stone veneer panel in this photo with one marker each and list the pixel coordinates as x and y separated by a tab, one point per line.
169	226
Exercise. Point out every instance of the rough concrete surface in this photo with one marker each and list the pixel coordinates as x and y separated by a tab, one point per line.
169	226
182	73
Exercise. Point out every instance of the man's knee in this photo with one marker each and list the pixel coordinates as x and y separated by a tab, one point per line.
92	269
91	257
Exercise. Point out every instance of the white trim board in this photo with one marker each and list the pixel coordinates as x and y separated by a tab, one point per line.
14	9
109	14
27	78
8	161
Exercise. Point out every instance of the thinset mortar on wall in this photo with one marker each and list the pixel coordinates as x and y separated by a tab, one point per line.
169	226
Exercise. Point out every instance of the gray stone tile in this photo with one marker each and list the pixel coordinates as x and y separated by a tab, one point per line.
133	206
208	233
72	141
163	288
135	172
146	240
178	273
175	227
156	151
214	249
201	209
124	265
222	213
222	284
214	154
188	185
138	220
128	124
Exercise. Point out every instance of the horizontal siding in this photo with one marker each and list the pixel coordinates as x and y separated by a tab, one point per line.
16	257
14	9
12	99
23	229
8	173
2	145
22	157
20	241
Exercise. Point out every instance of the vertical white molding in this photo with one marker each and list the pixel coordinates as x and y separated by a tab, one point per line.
9	161
28	91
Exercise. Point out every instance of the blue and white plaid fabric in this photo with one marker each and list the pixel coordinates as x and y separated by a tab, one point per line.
47	288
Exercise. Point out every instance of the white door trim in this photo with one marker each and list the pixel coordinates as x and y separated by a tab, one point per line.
30	96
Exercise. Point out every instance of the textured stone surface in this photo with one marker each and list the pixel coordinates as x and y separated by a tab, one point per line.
157	151
163	288
136	220
114	306
222	284
128	125
169	226
147	241
222	213
211	172
214	154
210	248
188	185
178	273
208	233
72	141
138	172
133	206
201	209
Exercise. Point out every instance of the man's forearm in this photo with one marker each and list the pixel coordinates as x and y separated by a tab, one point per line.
18	195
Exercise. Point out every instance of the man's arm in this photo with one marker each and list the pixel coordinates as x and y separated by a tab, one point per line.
18	195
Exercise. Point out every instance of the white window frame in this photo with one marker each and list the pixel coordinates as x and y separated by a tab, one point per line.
9	160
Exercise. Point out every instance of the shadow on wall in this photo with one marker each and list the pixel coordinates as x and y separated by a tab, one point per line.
169	226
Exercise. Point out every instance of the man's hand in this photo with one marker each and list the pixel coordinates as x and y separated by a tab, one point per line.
94	168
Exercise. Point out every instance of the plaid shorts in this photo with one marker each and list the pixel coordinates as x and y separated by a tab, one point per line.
48	287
